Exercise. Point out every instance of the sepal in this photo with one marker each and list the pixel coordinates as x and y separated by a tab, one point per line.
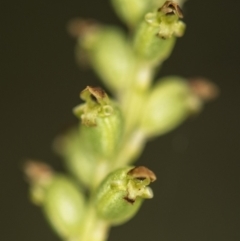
70	146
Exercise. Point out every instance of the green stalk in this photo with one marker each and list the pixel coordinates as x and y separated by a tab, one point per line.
93	229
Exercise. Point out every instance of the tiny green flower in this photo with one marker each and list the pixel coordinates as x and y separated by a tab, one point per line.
97	104
121	193
155	37
167	17
132	11
100	134
102	122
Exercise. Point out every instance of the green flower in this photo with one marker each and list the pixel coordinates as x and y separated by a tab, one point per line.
121	193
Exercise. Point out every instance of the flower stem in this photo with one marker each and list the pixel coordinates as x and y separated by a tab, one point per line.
93	229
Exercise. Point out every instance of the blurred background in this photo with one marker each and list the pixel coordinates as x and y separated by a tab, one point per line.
197	191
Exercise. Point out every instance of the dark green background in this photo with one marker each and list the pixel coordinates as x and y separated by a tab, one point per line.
197	191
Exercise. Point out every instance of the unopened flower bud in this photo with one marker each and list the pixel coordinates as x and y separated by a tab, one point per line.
169	103
64	207
109	53
121	193
62	201
80	162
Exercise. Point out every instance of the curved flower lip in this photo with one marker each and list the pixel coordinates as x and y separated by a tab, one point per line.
170	7
98	93
96	104
142	173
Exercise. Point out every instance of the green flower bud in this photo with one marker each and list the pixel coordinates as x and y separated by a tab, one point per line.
64	207
62	201
121	193
109	53
155	37
168	105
